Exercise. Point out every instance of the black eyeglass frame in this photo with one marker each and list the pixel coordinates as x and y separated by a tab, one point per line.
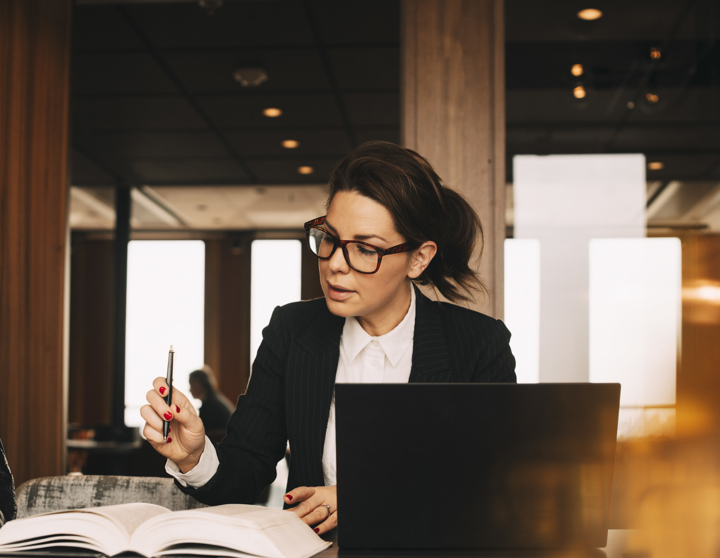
317	224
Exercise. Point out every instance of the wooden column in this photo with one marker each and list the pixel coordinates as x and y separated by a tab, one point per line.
34	91
453	111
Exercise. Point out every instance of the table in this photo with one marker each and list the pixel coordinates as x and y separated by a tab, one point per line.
614	549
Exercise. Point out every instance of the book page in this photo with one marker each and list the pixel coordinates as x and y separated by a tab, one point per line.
267	532
105	529
128	517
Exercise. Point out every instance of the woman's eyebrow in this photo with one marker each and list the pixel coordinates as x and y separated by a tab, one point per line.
357	236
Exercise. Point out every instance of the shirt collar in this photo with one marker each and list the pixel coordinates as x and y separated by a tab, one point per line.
394	343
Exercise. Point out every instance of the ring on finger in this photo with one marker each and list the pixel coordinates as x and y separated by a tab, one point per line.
328	510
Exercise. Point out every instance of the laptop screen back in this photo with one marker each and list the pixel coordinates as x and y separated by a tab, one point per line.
475	465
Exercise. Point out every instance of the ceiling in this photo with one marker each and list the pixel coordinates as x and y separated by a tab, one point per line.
155	104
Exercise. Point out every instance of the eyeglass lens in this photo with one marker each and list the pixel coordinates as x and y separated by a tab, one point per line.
361	257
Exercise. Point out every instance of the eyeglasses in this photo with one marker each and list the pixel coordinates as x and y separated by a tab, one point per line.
360	256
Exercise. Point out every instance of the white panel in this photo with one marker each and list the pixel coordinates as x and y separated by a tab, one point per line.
635	297
522	305
275	280
563	201
165	306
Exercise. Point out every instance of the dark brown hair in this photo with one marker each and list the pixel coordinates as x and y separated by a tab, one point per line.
422	207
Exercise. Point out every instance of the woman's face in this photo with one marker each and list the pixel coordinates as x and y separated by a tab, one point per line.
379	300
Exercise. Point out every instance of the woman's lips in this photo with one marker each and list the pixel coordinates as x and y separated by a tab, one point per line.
336	292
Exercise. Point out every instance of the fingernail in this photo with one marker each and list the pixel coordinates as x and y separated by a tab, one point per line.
169	429
162	391
168	415
177	409
317	529
288	497
169	440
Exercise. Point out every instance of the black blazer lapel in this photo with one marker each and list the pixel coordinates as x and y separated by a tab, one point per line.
311	371
430	360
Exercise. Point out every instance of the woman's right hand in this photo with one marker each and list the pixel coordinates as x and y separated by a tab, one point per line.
186	439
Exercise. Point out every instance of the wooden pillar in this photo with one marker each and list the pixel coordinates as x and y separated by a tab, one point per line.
34	91
453	111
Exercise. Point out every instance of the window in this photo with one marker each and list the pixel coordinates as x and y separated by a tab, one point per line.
165	306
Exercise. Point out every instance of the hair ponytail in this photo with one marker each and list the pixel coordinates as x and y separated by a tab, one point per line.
422	207
450	270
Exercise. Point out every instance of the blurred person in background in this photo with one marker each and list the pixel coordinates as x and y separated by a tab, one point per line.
216	408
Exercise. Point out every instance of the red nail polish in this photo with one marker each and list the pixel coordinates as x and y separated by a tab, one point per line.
168	415
177	409
317	529
169	429
288	497
169	440
162	391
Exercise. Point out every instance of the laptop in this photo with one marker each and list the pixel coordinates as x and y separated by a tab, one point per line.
475	466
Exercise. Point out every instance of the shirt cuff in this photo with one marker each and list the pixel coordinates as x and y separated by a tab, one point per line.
202	472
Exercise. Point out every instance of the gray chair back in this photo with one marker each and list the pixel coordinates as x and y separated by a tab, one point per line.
85	491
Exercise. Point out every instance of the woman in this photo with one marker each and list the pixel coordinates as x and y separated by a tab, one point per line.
390	222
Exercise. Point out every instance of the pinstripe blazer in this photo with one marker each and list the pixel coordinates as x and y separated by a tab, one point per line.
292	382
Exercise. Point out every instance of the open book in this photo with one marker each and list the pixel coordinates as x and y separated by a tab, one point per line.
233	530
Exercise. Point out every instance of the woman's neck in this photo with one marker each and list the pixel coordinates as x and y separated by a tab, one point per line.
390	316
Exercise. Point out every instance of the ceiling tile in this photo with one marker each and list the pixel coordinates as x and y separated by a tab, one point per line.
333	142
84	172
284	171
101	27
366	68
118	73
302	109
288	70
622	20
122	113
185	25
188	171
681	137
358	21
390	133
178	143
373	109
678	166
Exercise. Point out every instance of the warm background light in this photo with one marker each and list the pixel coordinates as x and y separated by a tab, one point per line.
579	92
305	170
290	144
272	112
577	70
652	97
655	53
589	14
656	165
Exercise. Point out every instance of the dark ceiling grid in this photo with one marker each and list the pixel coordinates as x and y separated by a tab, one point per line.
322	49
186	94
652	69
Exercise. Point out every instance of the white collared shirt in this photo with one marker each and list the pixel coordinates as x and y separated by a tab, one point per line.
364	359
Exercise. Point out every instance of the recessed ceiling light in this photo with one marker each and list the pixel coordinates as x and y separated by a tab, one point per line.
577	70
656	165
590	14
305	170
579	92
272	112
250	77
290	144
